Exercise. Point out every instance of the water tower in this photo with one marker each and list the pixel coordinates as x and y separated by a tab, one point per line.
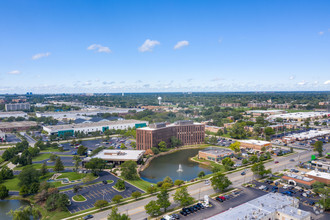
159	100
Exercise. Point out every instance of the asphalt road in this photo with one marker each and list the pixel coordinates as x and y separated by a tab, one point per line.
136	209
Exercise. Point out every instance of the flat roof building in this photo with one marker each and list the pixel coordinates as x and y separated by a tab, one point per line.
118	156
298	180
299	116
93	126
188	132
322	177
17	106
265	112
17	125
255	144
2	136
14	114
215	154
271	206
306	135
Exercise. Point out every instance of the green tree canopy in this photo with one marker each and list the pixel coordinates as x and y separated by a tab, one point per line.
182	196
220	181
128	170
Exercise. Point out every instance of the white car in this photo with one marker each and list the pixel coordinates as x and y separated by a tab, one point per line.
262	187
167	217
207	182
285	186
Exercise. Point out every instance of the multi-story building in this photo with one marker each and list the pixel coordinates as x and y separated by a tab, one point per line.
187	132
17	106
93	126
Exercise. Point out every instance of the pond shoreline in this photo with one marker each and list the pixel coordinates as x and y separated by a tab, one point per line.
146	165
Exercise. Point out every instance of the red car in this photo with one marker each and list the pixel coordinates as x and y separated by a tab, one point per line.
276	162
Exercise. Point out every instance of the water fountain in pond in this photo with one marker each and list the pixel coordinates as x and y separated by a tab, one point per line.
180	168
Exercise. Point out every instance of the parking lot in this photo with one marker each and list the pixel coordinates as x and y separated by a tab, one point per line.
98	191
12	138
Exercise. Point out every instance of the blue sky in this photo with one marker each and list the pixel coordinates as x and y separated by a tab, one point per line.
150	46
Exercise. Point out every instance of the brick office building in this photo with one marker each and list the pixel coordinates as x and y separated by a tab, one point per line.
187	132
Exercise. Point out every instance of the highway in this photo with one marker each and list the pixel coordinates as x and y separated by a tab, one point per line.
136	209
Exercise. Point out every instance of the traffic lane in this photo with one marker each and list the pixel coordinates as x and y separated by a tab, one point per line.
96	192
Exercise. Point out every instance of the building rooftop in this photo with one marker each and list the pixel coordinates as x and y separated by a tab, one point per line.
308	134
298	177
319	174
92	124
157	126
255	142
119	155
17	124
264	206
299	115
217	151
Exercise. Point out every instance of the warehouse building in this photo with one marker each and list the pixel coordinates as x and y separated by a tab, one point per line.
300	116
17	126
116	157
17	106
14	114
322	177
271	206
255	144
93	126
187	132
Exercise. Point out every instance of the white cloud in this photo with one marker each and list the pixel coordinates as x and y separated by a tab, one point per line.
108	83
148	45
217	79
302	83
291	77
15	72
40	55
327	82
316	82
181	44
99	48
321	32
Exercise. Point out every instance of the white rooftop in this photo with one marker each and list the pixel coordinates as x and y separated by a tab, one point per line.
319	174
255	142
308	134
263	206
299	115
119	155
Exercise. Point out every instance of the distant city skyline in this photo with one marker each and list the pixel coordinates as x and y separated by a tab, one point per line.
164	46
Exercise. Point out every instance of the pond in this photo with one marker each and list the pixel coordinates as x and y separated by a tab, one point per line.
7	205
168	165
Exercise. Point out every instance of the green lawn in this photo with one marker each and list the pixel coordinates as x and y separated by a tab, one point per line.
41	157
12	184
72	176
140	184
79	198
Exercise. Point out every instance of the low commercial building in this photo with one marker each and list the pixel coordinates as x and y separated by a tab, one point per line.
14	114
265	112
231	105
320	165
93	126
271	206
300	116
306	135
215	154
297	180
17	126
187	132
255	144
118	156
322	177
17	106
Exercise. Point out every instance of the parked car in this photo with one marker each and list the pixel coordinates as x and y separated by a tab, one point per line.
88	217
243	173
291	160
105	182
276	161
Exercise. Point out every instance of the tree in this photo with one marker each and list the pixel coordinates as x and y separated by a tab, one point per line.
178	182
24	213
89	177
245	161
77	161
57	201
269	131
96	165
136	194
182	196
237	131
52	157
101	204
44	170
23	190
235	146
155	150
316	123
120	184
201	174
82	150
128	170
168	180
77	188
253	159
259	169
58	165
117	198
318	146
114	215
34	188
151	189
175	142
4	192
162	146
123	146
163	199
227	162
6	173
152	208
28	176
220	181
263	149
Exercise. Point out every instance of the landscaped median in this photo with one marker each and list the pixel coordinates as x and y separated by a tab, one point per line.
79	198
